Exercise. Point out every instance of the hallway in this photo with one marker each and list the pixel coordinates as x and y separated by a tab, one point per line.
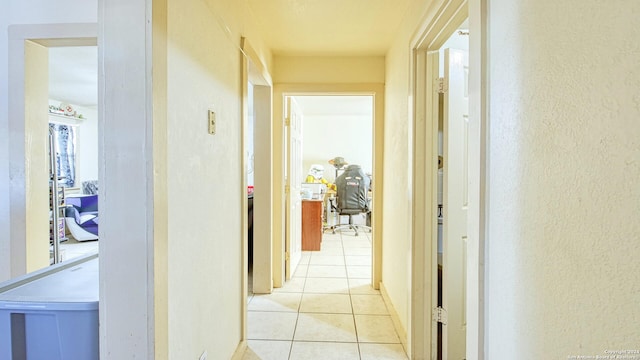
327	311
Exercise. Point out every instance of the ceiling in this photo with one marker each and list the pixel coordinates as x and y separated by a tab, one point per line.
328	27
73	75
289	27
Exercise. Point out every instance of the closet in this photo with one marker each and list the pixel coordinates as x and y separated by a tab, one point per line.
56	202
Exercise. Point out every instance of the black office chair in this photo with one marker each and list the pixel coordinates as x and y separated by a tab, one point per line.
353	188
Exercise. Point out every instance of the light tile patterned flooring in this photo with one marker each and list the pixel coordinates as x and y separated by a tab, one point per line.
72	248
328	310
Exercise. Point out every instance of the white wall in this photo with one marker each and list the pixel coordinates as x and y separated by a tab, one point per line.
250	134
325	137
5	219
87	146
563	276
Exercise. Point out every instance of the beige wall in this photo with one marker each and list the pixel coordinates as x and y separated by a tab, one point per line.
36	94
328	69
204	176
186	234
396	252
563	276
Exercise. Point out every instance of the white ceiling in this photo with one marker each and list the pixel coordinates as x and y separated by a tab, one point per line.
289	27
73	75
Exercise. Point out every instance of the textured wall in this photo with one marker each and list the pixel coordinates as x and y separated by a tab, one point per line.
87	146
328	69
326	137
397	197
204	176
562	255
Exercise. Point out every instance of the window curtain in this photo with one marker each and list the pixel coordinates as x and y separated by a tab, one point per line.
64	137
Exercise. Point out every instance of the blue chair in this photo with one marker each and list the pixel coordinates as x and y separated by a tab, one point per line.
81	217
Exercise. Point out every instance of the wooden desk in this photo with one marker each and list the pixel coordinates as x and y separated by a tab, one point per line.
312	224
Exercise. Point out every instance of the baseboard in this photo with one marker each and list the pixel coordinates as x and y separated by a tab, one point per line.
240	350
402	333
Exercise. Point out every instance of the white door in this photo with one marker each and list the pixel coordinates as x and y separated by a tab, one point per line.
293	236
455	202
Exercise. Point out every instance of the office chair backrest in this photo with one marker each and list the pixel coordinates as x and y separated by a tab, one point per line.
353	186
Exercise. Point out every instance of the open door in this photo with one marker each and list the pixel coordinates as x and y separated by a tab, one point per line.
293	187
455	202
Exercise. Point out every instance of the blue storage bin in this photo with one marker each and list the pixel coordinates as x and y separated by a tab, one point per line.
51	314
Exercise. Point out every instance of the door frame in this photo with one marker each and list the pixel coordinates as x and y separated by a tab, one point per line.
440	21
292	107
254	71
282	90
47	35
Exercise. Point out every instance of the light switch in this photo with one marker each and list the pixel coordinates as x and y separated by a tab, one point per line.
212	122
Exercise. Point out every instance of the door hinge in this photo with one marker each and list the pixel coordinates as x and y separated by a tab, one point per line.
287	188
287	256
441	87
440	315
287	121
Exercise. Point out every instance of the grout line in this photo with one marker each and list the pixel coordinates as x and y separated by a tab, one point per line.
349	293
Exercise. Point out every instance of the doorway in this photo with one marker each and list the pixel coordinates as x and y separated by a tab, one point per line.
335	127
29	190
73	122
258	181
329	294
273	175
453	193
257	168
445	18
280	91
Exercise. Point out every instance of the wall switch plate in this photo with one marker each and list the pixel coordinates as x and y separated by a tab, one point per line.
203	356
212	122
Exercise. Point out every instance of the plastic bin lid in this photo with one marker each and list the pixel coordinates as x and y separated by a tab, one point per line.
73	288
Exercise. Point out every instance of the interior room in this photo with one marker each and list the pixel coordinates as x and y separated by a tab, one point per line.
73	119
336	126
333	126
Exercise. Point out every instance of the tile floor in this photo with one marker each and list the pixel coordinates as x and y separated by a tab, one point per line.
74	248
328	310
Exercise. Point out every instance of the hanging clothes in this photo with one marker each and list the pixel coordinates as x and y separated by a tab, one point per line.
65	140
